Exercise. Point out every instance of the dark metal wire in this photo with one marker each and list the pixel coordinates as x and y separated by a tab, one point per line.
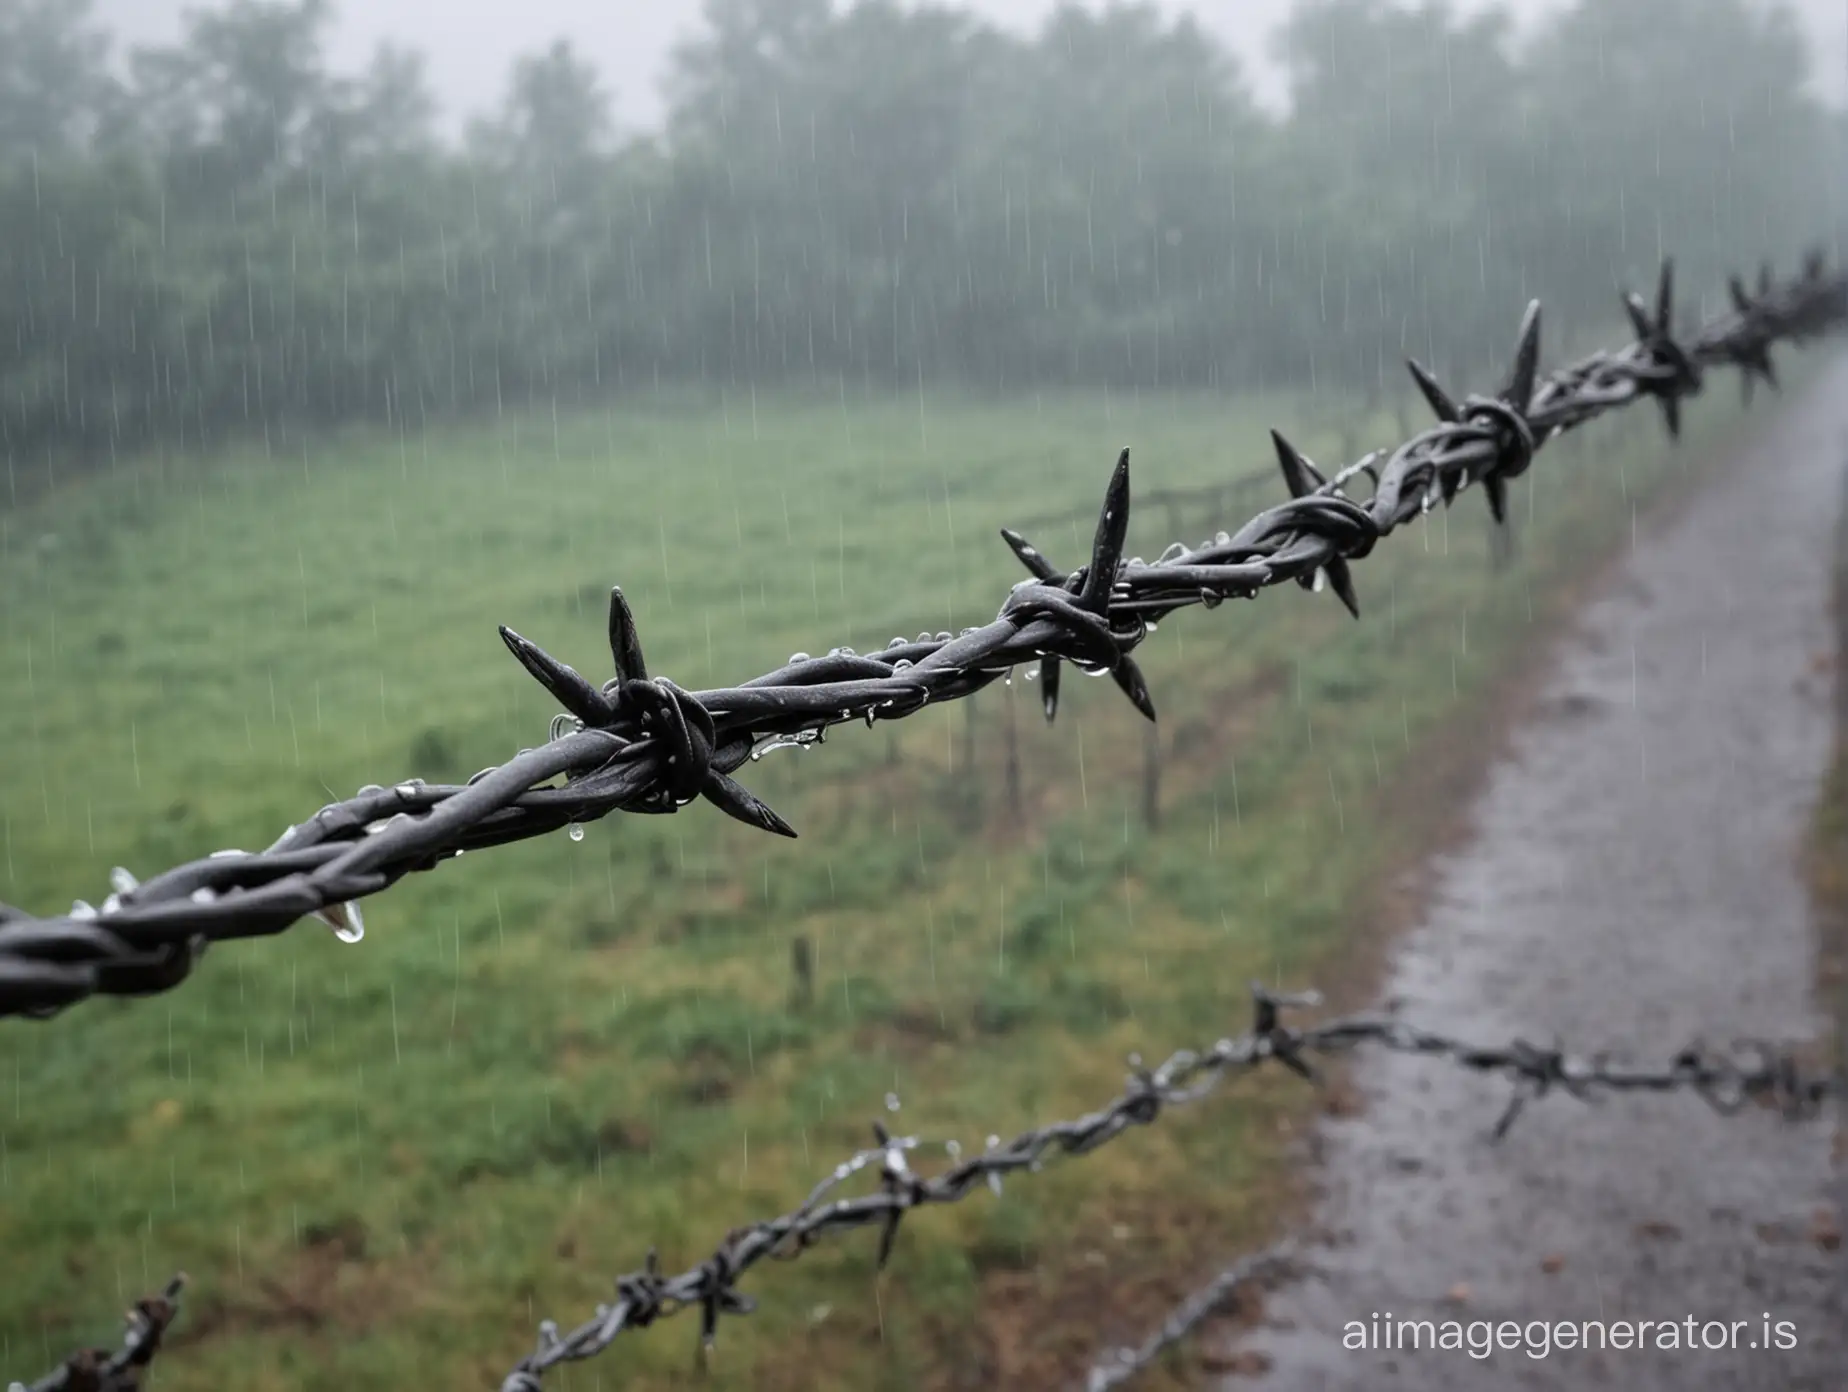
643	744
1123	1365
1725	1078
98	1369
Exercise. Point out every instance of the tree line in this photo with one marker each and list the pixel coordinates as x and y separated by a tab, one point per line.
224	236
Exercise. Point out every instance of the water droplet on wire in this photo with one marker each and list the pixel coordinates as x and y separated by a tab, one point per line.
348	923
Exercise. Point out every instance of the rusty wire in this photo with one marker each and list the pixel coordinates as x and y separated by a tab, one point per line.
643	744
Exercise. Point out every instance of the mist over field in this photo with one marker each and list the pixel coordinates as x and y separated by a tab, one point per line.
333	336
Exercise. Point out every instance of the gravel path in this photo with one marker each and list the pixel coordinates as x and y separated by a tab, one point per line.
1630	881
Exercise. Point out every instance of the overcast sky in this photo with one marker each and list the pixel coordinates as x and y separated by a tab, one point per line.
470	43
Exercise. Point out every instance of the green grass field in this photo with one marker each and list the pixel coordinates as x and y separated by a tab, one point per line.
382	1164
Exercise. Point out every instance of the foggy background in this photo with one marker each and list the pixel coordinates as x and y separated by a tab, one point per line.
263	222
467	40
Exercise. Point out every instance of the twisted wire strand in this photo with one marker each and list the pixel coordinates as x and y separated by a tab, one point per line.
641	743
1118	1367
1726	1078
99	1369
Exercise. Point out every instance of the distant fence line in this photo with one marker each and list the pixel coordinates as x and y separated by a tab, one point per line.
1748	1072
643	744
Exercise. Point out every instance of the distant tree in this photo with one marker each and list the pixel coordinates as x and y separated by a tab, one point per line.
1121	175
238	93
55	88
556	114
883	190
388	113
745	47
1407	174
1702	138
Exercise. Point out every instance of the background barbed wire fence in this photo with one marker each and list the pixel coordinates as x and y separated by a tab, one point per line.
643	744
1727	1078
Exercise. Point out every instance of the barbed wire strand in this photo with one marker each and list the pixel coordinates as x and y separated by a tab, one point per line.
644	744
1122	1366
1726	1079
99	1369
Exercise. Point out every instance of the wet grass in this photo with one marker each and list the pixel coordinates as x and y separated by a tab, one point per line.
383	1164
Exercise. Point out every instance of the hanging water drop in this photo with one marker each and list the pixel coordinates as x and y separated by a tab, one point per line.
348	923
575	831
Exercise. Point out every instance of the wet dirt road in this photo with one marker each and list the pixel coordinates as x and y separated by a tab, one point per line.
1630	881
